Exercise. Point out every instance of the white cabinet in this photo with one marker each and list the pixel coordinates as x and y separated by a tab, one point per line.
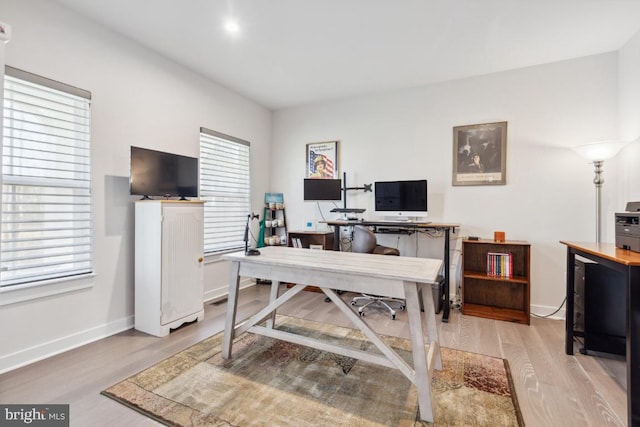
169	264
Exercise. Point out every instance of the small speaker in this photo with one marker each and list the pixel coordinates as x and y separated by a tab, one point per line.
5	32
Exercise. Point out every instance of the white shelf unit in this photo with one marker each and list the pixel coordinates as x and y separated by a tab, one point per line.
169	264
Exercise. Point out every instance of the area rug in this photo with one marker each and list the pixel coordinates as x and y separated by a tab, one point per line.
274	383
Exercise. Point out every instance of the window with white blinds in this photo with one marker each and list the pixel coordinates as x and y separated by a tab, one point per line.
46	180
224	186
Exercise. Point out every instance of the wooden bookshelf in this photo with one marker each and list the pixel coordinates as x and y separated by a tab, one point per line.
308	238
496	297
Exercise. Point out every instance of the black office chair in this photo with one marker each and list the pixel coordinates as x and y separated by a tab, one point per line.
364	241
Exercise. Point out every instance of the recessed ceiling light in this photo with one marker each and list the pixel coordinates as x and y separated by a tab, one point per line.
231	26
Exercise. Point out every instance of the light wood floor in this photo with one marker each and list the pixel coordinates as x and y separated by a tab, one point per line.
553	389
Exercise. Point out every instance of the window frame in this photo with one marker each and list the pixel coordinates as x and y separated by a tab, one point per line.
236	218
82	277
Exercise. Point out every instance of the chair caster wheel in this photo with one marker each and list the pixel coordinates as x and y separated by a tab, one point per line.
353	303
361	313
393	317
402	307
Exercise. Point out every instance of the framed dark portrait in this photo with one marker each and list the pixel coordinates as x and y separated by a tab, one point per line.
480	154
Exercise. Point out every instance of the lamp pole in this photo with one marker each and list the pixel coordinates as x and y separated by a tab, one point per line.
598	180
598	153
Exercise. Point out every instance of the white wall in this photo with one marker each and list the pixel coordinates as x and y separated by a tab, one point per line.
407	134
629	85
139	98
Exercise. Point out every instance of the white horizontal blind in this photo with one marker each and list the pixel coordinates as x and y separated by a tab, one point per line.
46	181
224	186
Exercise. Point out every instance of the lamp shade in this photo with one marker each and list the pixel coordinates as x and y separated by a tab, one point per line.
600	151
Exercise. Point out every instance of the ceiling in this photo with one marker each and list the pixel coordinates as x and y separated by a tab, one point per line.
295	52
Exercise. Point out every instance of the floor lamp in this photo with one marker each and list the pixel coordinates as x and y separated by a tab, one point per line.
597	153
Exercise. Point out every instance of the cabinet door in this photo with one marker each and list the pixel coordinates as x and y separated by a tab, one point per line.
182	266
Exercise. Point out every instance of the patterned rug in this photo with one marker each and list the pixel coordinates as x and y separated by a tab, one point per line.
274	383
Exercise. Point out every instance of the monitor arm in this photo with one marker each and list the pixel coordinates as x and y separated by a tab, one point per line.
365	187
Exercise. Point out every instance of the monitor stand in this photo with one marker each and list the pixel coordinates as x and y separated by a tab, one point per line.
398	219
407	219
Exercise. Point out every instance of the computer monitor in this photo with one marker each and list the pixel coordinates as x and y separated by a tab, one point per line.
323	189
401	200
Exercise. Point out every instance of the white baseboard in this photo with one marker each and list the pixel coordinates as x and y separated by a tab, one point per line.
222	292
42	351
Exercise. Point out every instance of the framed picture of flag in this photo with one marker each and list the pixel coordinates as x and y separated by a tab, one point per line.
322	160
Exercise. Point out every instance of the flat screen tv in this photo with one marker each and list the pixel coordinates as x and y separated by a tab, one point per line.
322	189
401	199
156	173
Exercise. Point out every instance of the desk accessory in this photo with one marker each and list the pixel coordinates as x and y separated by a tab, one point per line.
247	250
628	227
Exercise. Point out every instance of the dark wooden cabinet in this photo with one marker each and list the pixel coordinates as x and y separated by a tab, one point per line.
312	238
307	239
493	296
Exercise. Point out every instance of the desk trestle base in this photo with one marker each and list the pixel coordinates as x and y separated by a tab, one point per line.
346	274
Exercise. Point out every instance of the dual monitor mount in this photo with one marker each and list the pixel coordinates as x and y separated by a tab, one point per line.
345	210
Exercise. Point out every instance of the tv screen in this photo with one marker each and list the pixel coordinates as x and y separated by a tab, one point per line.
323	189
401	198
156	173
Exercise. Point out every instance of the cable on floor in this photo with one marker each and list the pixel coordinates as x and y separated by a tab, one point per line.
549	315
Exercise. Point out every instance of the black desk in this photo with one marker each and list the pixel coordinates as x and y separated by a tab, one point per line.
627	263
405	226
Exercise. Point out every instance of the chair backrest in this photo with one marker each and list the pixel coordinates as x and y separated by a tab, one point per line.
364	240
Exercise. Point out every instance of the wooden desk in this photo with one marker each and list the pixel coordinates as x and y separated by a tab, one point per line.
628	263
400	277
409	227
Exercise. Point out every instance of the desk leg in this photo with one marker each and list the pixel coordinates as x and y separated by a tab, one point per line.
446	307
336	237
633	350
421	365
571	266
434	358
232	308
275	285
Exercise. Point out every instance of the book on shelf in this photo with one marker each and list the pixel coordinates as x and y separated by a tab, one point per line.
499	264
296	242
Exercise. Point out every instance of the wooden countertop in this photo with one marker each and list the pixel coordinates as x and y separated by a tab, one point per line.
608	251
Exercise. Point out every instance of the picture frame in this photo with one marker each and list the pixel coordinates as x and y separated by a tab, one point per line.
322	160
480	154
